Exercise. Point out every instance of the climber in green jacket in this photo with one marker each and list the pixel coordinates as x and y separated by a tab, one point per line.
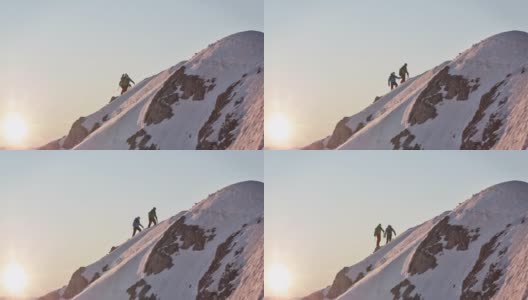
404	74
153	218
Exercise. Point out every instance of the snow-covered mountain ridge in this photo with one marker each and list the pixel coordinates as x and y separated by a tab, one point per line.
477	251
213	251
479	100
213	101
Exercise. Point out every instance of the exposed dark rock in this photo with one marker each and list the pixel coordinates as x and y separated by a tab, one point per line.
144	288
113	98
55	145
105	268
340	135
424	107
179	236
376	99
340	285
76	285
319	145
225	288
105	118
342	282
55	295
96	276
315	296
228	126
142	145
95	127
406	145
406	293
489	136
179	86
76	135
489	285
453	236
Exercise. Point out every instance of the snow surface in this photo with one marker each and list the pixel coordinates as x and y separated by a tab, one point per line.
239	207
227	61
503	57
500	208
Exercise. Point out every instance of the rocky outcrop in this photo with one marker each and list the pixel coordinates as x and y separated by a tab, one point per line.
55	145
55	295
406	293
489	136
179	236
442	236
319	295
225	137
443	86
179	86
340	285
76	285
76	135
406	144
225	286
489	285
142	144
340	135
141	294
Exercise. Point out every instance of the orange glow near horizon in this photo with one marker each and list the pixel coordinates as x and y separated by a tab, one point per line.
278	279
14	279
14	129
278	129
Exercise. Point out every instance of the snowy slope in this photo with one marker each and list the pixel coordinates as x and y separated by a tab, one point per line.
477	251
213	101
477	101
213	251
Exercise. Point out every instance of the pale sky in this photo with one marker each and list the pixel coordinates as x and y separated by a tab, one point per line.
330	59
60	60
322	207
63	210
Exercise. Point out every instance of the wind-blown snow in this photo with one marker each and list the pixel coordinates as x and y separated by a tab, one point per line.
467	112
476	251
229	226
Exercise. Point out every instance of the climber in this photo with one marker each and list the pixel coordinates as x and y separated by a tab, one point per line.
392	81
404	73
377	234
125	83
137	226
153	218
388	233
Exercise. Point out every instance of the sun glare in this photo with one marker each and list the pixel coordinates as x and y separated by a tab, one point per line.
14	128
278	279
278	128
14	279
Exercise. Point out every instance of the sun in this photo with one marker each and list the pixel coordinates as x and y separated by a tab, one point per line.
278	128
278	279
14	128
14	279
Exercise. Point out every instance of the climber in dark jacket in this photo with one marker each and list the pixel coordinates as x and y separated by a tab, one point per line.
392	80
377	234
125	83
137	226
388	233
